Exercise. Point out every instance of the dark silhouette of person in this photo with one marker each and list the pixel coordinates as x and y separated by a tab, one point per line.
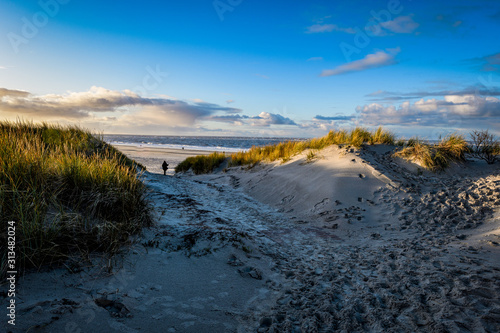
164	166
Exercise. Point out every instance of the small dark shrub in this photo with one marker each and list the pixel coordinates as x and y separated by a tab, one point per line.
485	146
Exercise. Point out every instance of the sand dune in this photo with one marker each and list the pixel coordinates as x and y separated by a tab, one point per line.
351	241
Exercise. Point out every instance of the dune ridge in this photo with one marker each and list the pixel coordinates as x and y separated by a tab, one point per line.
351	240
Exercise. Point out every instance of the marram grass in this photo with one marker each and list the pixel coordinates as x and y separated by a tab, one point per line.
286	150
66	190
201	164
435	157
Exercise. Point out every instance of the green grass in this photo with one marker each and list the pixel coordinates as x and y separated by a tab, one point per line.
67	192
202	163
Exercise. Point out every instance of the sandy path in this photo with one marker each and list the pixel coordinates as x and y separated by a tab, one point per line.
411	260
421	256
199	270
153	157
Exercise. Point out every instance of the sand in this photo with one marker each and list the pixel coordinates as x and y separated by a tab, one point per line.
153	157
353	241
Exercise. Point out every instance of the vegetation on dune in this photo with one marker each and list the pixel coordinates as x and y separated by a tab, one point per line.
311	155
286	150
485	146
66	191
202	163
435	157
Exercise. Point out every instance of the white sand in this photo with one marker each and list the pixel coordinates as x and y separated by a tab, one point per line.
331	245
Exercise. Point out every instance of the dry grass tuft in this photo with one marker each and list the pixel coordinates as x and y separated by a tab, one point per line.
202	163
284	151
435	157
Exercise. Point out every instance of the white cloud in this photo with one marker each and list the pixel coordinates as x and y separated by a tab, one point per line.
401	25
327	123
85	105
13	93
320	28
466	111
479	90
375	60
267	119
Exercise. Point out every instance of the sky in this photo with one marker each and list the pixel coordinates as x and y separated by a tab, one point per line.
252	68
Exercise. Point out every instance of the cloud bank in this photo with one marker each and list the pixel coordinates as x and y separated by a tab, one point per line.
82	105
465	111
264	119
128	110
387	96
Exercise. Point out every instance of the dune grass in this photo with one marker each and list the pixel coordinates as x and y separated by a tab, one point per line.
66	190
286	150
435	157
202	163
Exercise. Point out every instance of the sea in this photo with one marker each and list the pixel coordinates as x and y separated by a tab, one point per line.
208	143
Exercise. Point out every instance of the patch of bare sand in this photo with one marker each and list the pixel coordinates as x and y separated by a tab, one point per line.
414	251
353	241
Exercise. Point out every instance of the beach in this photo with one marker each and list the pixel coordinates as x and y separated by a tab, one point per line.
353	240
153	157
240	166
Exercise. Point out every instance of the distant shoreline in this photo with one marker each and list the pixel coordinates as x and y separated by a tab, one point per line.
152	157
181	147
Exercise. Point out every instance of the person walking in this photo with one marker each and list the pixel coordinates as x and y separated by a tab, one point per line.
164	166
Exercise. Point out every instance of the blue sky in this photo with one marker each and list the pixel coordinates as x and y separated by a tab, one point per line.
252	68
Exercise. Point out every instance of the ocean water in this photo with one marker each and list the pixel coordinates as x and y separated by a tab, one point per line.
208	143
